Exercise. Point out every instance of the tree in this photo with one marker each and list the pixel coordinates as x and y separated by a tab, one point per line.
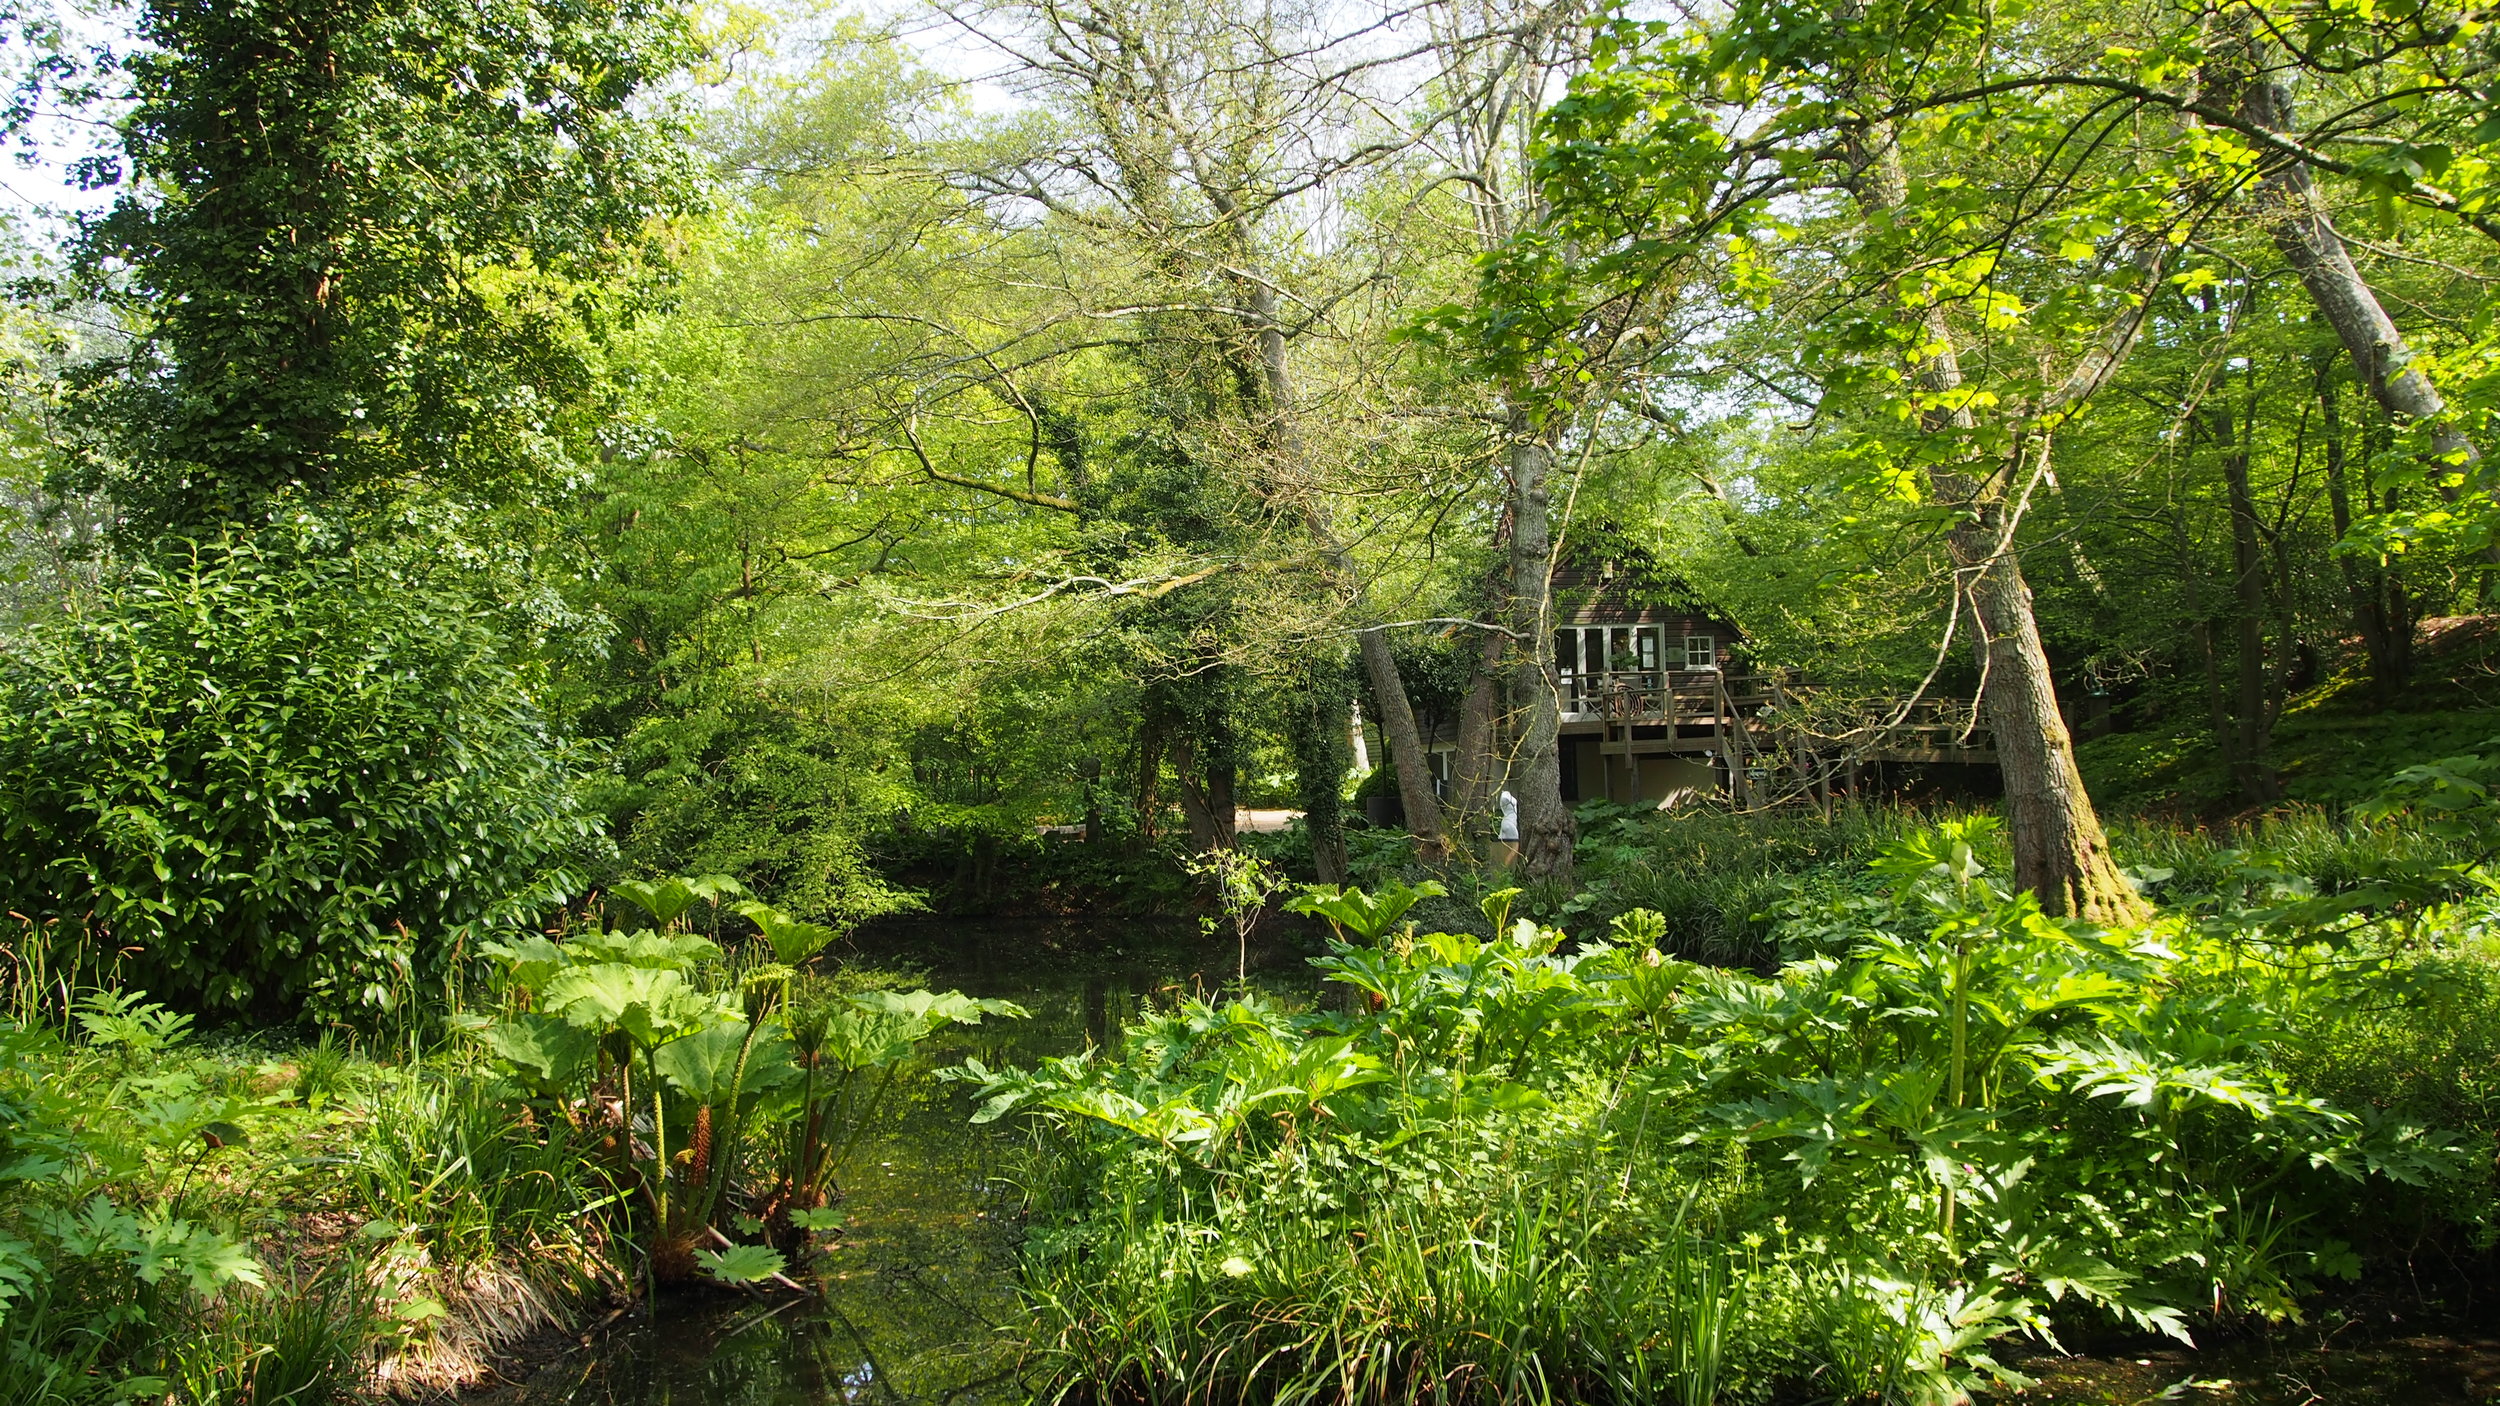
369	247
1654	166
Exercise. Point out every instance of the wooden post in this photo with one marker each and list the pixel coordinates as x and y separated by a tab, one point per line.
1718	745
1631	710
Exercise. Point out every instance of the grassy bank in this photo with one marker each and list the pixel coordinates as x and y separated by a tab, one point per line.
1732	889
251	1218
236	1219
1937	1127
2335	743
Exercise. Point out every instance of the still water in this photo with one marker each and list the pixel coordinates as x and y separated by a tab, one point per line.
920	1305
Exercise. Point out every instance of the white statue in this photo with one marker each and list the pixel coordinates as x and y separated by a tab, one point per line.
1510	817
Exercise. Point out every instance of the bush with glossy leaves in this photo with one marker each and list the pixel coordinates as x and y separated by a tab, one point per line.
280	776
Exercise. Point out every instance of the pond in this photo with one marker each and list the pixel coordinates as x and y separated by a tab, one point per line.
920	1303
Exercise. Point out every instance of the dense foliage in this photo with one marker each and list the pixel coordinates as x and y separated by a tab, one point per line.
490	452
757	1087
367	248
220	1221
262	777
1510	1168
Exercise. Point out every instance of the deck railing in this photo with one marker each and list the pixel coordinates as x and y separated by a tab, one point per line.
1768	710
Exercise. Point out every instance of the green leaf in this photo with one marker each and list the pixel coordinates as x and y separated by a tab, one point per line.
933	1009
857	1040
741	1264
793	942
666	900
530	961
550	1051
650	1005
704	1065
1368	916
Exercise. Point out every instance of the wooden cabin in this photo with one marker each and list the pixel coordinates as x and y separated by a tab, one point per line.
1645	672
1660	705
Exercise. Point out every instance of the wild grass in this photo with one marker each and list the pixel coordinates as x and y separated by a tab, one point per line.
445	1156
309	1339
247	1217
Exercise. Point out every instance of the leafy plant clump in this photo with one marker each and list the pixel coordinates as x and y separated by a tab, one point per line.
280	777
1514	1171
723	1092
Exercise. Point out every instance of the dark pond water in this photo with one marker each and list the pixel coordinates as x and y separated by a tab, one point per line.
920	1304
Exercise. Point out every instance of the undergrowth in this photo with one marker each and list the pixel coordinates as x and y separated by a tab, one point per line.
1524	1168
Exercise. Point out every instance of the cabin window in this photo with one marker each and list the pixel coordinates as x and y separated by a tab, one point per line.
1587	658
1701	652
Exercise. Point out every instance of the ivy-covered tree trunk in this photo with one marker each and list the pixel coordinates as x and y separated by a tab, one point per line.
1476	768
1323	752
1149	795
367	247
1206	777
2254	704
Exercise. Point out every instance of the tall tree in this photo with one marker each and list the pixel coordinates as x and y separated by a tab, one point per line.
368	246
1191	140
1654	165
1499	67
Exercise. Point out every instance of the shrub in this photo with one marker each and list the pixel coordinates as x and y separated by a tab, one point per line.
280	776
767	793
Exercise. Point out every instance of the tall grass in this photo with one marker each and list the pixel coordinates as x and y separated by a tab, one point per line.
447	1156
307	1342
1407	1298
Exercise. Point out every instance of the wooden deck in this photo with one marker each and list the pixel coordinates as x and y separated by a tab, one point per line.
1770	734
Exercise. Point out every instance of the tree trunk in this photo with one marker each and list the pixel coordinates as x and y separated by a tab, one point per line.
1321	756
1476	768
1406	747
1397	715
2287	199
2060	852
1547	830
2365	587
2201	637
1206	799
1149	778
2250	763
